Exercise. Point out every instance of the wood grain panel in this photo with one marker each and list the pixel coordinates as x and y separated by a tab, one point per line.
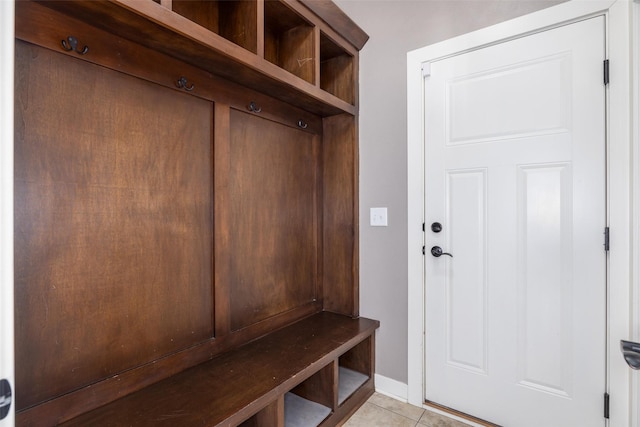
340	215
203	13
113	223
337	77
320	387
296	52
239	23
271	416
289	41
273	219
236	21
359	358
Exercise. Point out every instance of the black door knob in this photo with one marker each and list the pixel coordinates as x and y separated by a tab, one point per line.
437	252
5	398
436	227
631	353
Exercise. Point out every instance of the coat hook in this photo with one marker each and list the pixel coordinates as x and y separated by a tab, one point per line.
302	124
71	43
253	107
182	84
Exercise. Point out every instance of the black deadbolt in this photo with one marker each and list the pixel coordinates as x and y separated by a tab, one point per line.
436	227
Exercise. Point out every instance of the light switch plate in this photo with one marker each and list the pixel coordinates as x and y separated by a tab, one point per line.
378	217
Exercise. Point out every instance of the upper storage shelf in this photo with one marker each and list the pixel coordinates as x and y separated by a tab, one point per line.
236	21
336	70
289	40
302	52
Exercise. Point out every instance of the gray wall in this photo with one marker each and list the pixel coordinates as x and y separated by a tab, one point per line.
396	27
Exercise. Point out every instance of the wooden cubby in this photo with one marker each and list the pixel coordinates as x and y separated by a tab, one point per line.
301	412
336	70
186	214
354	369
289	40
236	39
271	415
311	402
235	20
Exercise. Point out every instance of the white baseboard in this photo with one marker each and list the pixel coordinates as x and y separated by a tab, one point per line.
391	388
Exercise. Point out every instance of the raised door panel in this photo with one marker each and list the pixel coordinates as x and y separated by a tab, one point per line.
545	277
274	222
113	223
466	290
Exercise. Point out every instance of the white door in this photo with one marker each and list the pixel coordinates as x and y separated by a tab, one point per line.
6	212
515	174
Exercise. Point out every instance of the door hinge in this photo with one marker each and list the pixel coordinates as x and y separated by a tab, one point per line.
423	249
606	71
423	227
606	239
426	69
606	405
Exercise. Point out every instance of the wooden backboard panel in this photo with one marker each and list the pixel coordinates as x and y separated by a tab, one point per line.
340	215
274	219
113	223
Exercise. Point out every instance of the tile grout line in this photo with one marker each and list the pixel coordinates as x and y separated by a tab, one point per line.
417	422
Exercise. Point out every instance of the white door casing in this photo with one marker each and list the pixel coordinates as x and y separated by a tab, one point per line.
619	117
515	172
635	394
6	201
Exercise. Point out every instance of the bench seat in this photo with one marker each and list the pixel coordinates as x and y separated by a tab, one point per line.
249	383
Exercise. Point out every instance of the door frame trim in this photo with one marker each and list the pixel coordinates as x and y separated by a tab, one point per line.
7	41
635	299
619	184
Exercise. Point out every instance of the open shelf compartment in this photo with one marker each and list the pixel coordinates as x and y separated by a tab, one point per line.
300	412
311	402
289	40
235	20
336	70
268	416
354	370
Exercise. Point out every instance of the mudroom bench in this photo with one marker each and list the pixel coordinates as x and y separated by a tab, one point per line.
186	214
307	374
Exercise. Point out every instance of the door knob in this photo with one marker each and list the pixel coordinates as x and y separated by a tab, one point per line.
5	398
631	352
437	252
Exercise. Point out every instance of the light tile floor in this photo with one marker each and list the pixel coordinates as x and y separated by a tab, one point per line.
383	411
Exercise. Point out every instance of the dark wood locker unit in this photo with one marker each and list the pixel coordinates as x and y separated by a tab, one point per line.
186	214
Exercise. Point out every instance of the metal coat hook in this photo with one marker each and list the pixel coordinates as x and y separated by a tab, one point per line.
253	107
71	43
302	124
182	84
